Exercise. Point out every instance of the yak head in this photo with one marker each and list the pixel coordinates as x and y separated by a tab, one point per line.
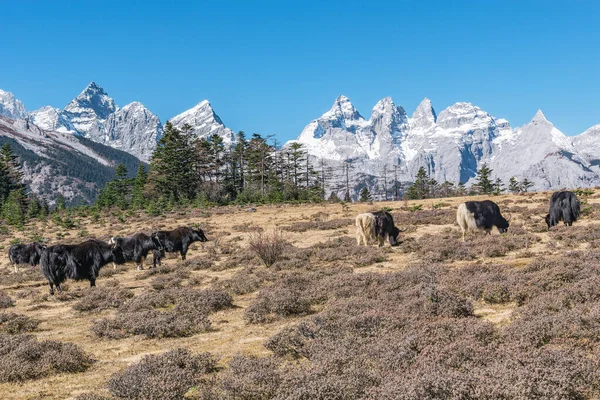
393	236
548	222
198	234
117	255
503	224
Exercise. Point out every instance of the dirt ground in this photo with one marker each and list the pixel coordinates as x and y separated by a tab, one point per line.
230	335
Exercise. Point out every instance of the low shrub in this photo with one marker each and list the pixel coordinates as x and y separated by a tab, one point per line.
175	312
167	376
102	298
17	323
320	225
268	247
5	300
24	358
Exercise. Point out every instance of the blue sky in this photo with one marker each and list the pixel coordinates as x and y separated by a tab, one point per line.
272	66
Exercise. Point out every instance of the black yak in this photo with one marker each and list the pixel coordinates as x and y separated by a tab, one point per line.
178	240
79	262
564	206
136	248
480	215
25	254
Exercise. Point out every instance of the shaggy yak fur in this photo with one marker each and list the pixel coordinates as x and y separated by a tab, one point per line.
79	262
25	254
564	206
178	240
480	215
136	248
375	227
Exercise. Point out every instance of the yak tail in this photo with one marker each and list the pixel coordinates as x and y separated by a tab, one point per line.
575	207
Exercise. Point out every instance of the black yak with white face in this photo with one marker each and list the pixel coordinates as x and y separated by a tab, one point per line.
25	254
480	215
564	206
178	240
136	248
376	227
81	261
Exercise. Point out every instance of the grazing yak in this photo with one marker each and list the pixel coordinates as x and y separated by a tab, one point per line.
480	215
564	206
136	248
25	254
178	240
375	227
79	262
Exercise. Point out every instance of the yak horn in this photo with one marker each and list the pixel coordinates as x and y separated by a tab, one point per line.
509	217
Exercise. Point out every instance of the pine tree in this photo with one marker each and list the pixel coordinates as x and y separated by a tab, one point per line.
513	185
171	166
11	175
525	185
498	186
122	187
447	189
365	195
138	200
12	210
484	184
61	203
420	188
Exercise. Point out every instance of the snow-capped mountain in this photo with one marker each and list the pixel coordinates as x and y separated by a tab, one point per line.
204	122
95	116
588	144
451	145
11	107
133	128
62	163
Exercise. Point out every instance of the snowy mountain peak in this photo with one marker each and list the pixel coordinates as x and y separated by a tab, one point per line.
343	109
93	99
10	106
539	117
204	122
424	116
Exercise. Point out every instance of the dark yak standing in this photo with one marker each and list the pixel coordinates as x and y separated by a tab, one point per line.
384	227
178	240
564	206
136	248
480	215
25	254
79	262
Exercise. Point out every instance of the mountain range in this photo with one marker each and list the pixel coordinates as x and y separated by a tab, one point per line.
451	146
73	151
389	145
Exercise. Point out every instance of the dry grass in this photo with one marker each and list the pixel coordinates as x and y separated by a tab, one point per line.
327	319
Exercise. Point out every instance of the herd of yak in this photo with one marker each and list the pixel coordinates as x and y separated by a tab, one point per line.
375	227
83	261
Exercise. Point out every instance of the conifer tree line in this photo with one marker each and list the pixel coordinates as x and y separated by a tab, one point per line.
186	170
16	204
425	187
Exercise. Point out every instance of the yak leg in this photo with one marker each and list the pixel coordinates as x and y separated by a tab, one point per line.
16	269
114	266
92	282
140	263
183	252
58	288
51	288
